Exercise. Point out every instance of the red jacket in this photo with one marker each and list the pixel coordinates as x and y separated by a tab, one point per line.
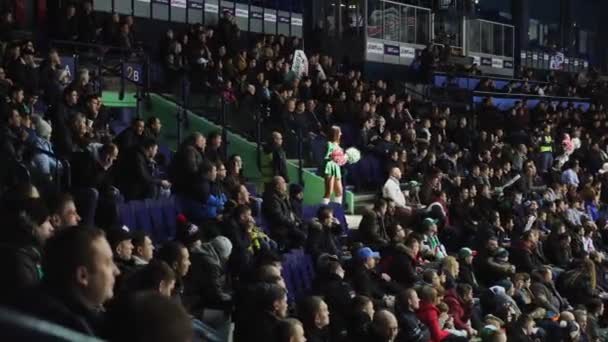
429	315
460	313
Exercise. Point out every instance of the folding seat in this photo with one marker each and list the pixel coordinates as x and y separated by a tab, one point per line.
158	229
309	212
127	218
170	209
143	221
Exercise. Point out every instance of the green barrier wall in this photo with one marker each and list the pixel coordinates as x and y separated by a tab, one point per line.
166	111
111	99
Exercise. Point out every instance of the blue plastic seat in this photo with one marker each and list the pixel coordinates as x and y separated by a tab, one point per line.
126	215
143	221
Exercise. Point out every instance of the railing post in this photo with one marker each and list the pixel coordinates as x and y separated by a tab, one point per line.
258	136
223	124
300	158
121	92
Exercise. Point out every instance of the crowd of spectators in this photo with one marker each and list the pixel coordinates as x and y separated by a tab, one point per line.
500	232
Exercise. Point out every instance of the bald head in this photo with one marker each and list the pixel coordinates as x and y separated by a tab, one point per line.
396	173
386	325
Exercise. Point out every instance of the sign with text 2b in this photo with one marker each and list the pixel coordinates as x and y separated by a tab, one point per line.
133	72
68	64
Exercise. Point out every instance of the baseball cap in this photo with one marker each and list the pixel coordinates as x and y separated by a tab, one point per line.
466	252
187	232
366	252
118	235
428	222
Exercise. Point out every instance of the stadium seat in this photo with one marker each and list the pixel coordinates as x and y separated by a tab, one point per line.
127	218
143	220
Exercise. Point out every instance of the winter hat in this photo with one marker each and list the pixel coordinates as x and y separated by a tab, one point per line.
505	284
187	232
502	254
43	128
466	252
222	246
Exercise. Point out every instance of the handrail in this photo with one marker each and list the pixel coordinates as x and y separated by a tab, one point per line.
545	97
92	45
447	74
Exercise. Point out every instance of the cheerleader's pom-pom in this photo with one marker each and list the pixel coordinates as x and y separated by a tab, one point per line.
353	155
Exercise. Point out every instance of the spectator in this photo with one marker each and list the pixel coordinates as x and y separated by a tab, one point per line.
428	313
28	229
290	330
314	314
323	234
460	301
155	276
122	248
272	307
234	172
337	293
207	285
467	274
486	267
372	229
79	278
177	257
384	327
185	169
370	283
545	293
63	212
213	151
153	128
410	327
143	248
138	170
277	165
400	260
131	137
149	316
284	225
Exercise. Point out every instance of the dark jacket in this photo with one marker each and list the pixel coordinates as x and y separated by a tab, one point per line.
317	335
411	329
278	161
241	256
277	210
184	171
206	284
489	271
547	297
127	140
264	328
372	230
61	307
137	176
87	172
20	264
467	276
399	265
576	287
368	283
322	239
337	294
524	257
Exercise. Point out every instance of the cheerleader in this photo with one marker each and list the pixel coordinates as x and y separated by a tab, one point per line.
334	160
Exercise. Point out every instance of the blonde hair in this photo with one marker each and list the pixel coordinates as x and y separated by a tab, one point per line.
450	265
